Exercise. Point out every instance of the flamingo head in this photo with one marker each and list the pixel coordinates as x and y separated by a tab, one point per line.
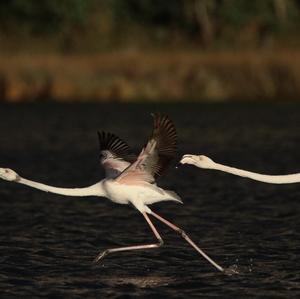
8	174
199	161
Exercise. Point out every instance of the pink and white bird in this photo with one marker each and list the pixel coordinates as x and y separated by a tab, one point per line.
130	179
205	162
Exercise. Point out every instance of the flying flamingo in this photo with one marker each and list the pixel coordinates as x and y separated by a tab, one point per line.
129	180
207	163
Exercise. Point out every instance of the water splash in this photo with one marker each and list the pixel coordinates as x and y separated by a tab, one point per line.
232	270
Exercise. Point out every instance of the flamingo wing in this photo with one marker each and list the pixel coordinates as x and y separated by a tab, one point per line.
115	154
155	156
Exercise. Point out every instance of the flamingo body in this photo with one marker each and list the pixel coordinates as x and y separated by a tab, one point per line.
139	195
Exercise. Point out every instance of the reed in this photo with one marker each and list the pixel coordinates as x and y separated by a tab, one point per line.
155	76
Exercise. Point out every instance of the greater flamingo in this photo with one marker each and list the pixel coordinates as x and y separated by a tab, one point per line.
129	179
205	162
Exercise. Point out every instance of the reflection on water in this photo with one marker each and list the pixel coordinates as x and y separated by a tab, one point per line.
48	242
140	282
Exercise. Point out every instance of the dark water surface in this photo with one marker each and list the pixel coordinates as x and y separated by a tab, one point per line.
48	241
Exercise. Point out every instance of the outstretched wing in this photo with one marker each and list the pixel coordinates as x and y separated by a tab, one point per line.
156	155
115	154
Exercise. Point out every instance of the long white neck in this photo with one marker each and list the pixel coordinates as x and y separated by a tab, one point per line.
272	179
93	190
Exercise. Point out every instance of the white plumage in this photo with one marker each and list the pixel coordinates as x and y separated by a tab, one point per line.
204	162
129	179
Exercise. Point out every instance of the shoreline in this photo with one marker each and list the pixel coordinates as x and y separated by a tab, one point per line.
151	76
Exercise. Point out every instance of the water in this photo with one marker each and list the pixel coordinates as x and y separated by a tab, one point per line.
48	242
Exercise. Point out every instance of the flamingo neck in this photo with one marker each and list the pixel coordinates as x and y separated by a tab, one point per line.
93	190
272	179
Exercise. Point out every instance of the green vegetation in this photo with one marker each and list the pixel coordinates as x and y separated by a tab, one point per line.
41	17
132	50
91	25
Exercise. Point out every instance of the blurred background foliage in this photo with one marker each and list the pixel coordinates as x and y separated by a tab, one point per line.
91	25
149	50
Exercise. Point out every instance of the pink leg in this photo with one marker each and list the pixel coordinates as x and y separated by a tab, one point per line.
187	238
136	247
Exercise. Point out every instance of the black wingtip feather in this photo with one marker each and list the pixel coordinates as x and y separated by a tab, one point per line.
114	144
164	133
